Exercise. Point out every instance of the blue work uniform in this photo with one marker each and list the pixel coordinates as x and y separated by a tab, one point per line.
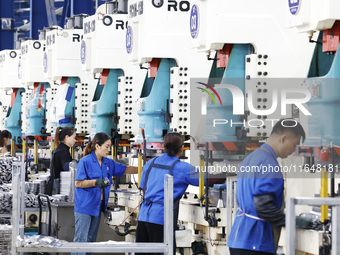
87	200
152	209
259	173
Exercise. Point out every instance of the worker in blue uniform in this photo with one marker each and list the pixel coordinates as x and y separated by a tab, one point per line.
151	214
260	185
93	182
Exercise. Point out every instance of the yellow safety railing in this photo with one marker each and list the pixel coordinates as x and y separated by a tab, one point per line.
201	181
12	147
36	154
324	193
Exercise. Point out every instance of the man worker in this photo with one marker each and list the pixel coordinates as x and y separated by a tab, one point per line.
260	185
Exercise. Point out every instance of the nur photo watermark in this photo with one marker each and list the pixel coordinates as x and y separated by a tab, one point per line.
223	108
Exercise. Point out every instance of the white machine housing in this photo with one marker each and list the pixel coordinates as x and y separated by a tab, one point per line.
158	31
62	55
30	71
279	52
30	67
9	79
312	15
62	59
103	47
9	60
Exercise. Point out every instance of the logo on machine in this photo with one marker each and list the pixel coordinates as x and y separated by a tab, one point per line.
294	6
83	52
45	62
36	45
129	39
24	49
194	21
76	37
209	93
136	9
13	54
19	70
157	3
50	39
183	6
121	24
89	26
173	5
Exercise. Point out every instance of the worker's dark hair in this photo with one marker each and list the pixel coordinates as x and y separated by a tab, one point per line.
173	143
4	134
289	125
100	139
61	133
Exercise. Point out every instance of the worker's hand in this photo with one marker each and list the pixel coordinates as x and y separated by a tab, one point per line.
124	161
100	183
302	222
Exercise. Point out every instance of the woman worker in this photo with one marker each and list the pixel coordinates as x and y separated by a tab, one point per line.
65	138
93	182
151	214
5	139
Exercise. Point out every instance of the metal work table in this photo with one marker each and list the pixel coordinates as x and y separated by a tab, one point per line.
291	224
107	247
116	247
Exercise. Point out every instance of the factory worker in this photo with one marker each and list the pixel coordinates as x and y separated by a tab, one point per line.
258	222
151	214
5	140
65	138
93	183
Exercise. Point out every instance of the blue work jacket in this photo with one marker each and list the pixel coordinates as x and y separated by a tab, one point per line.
259	173
87	200
183	173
